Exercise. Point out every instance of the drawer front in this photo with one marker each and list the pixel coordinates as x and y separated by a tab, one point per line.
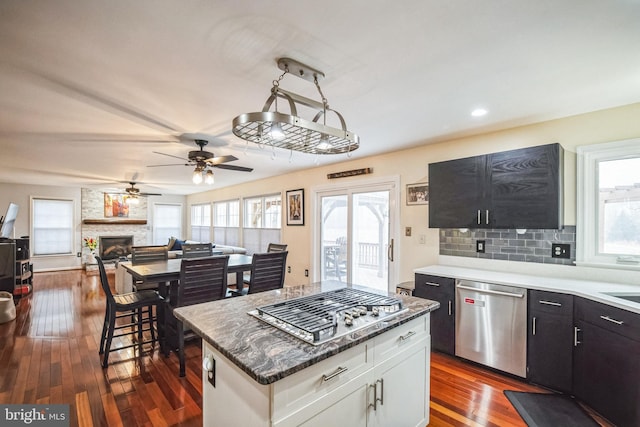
432	287
391	342
550	302
613	319
300	389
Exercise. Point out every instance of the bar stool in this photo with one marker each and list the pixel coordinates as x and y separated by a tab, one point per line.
137	306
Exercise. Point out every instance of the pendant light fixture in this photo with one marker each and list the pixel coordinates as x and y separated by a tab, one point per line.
288	131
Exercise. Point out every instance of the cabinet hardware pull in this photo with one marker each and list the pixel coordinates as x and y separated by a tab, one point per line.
487	216
337	372
533	332
488	291
407	336
608	319
575	336
555	304
432	284
381	381
478	216
375	396
450	308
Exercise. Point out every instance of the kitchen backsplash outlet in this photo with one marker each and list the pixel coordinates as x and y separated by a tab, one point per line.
509	245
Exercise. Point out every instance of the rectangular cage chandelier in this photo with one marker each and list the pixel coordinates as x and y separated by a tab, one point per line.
288	131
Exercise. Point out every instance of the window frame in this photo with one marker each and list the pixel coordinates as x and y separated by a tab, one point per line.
256	238
71	230
154	236
587	198
232	233
193	224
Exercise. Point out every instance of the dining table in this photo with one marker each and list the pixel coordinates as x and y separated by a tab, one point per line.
166	274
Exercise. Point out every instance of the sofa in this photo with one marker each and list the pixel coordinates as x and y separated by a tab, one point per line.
124	281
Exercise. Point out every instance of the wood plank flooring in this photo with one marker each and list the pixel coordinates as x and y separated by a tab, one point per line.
49	354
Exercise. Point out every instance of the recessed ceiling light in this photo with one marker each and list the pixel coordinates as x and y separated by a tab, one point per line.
479	112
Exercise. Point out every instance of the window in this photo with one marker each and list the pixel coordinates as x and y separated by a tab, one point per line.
262	222
201	223
167	222
608	215
226	223
52	227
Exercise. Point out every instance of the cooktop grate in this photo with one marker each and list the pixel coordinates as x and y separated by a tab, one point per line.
314	318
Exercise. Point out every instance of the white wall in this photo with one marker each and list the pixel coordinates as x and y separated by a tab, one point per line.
412	166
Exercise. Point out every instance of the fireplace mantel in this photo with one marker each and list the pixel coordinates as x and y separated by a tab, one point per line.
118	221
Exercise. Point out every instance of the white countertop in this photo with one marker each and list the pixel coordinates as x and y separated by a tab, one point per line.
583	288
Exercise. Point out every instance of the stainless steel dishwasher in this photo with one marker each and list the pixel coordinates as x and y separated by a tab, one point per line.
491	325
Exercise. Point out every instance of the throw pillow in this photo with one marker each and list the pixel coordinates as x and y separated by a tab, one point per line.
172	241
177	246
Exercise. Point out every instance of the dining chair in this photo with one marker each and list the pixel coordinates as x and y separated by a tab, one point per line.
197	250
267	273
272	247
146	255
201	280
136	307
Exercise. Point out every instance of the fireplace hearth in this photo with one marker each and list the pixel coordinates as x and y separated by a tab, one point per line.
115	247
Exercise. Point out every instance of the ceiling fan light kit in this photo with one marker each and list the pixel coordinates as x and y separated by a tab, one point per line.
289	131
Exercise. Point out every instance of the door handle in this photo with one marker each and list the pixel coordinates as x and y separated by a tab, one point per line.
450	308
478	216
334	374
609	319
489	291
487	216
390	251
575	336
555	304
533	329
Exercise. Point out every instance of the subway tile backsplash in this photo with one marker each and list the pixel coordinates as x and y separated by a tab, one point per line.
509	245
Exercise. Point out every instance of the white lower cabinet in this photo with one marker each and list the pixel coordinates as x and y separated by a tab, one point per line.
382	382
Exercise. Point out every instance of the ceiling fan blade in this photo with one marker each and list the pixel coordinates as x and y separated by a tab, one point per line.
221	159
149	194
172	164
234	168
171	155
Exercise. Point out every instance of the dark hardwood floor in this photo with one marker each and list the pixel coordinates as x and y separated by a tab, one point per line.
49	354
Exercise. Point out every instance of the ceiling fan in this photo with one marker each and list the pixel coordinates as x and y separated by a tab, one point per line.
133	191
202	160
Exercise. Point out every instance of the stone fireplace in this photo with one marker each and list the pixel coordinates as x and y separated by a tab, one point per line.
115	247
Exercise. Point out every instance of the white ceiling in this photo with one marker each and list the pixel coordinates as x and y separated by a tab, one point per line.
90	89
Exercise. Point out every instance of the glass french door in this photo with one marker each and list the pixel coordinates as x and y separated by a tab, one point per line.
354	236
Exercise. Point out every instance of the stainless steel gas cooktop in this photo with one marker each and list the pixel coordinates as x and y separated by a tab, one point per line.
319	318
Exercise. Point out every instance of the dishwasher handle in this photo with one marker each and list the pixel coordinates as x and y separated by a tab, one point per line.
492	292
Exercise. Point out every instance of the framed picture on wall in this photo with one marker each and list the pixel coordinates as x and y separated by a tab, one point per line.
295	207
418	194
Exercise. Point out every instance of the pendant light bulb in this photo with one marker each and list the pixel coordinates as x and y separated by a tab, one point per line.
276	131
132	200
197	176
208	178
324	143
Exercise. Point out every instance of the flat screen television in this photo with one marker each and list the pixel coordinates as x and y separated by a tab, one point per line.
6	231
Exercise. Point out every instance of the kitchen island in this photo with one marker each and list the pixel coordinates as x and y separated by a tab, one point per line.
258	375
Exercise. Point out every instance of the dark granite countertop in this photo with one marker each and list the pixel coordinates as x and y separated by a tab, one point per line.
268	354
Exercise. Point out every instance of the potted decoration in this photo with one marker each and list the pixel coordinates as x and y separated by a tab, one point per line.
92	244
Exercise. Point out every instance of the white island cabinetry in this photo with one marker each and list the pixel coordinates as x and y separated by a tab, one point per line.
380	382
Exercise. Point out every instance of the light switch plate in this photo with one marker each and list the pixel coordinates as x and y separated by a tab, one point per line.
480	246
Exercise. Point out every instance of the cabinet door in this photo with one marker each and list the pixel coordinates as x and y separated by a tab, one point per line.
441	289
550	350
607	374
348	411
525	188
455	192
402	390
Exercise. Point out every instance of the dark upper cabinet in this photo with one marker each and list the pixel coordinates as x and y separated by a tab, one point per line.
511	189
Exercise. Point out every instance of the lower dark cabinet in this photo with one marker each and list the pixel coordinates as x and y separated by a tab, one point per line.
606	361
441	289
550	340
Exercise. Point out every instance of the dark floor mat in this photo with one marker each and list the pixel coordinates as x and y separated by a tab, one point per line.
549	410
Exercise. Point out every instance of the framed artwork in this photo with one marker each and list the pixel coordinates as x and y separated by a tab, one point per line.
418	194
295	207
115	206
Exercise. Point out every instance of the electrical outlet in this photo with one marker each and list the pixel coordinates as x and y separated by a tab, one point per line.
306	273
560	250
480	246
289	269
79	255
